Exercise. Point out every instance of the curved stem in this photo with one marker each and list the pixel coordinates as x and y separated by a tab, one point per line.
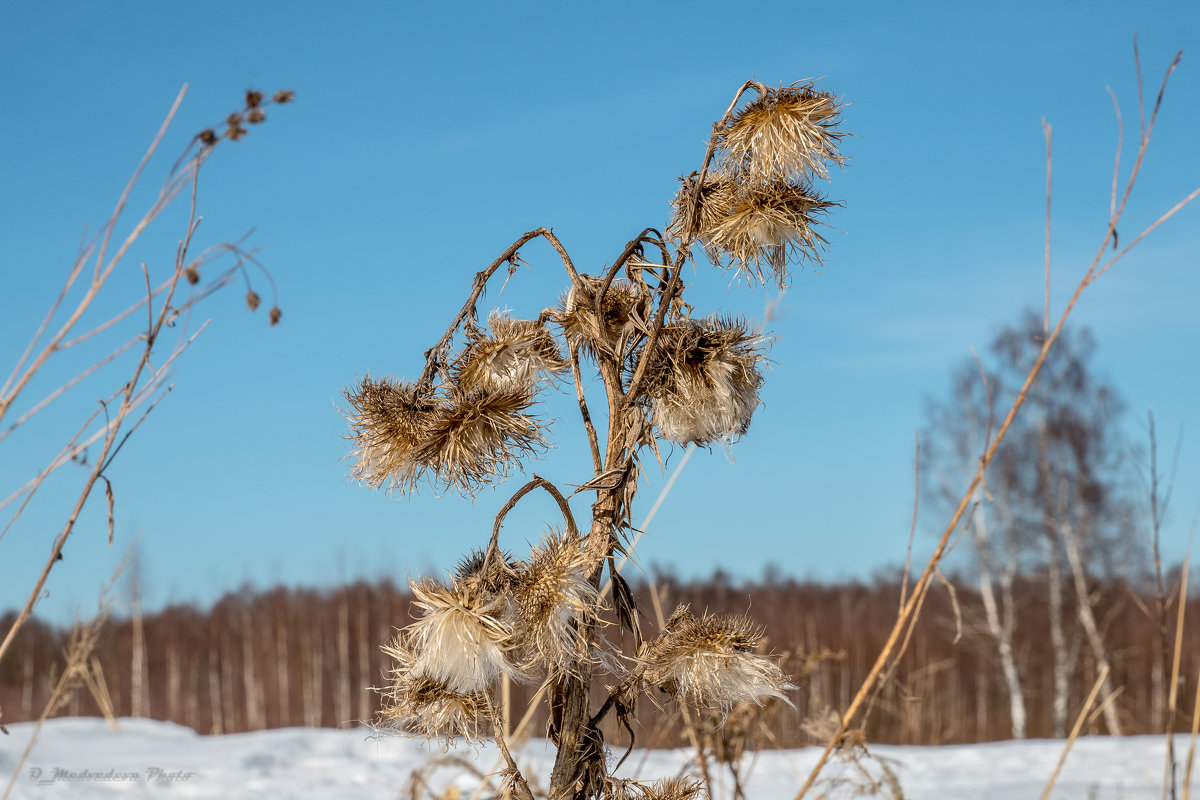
493	550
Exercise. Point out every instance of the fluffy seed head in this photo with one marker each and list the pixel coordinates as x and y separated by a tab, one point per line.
513	356
475	438
718	193
712	661
766	227
426	707
785	133
460	640
622	304
703	385
388	420
550	596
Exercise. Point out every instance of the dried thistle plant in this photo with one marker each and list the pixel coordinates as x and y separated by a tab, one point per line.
669	378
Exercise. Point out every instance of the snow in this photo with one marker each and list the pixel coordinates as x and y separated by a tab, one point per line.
82	758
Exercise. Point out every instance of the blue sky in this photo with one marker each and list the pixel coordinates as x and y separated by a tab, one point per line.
425	138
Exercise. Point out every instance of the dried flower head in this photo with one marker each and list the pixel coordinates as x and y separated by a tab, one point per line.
718	193
790	132
712	661
551	595
475	438
207	137
622	304
192	275
703	385
255	116
252	300
253	98
388	421
274	315
514	355
768	226
461	639
285	96
426	707
678	788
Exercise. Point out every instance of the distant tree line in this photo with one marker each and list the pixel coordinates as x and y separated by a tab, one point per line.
302	657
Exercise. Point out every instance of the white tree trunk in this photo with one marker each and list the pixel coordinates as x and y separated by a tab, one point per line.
1087	618
1001	630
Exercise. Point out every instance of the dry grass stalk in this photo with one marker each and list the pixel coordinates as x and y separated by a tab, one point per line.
1075	730
143	384
1191	754
81	670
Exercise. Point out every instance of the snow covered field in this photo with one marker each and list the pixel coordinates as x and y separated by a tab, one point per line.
82	758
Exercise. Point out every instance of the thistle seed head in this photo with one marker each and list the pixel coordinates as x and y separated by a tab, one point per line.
514	356
703	385
789	132
679	788
475	438
388	421
712	661
461	640
766	227
551	596
718	193
425	707
622	303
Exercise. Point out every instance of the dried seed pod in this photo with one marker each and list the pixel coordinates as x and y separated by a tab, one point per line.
285	96
551	595
460	640
252	300
388	421
514	355
274	315
475	438
718	193
679	788
426	707
622	303
253	98
703	382
785	133
255	116
768	226
712	661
